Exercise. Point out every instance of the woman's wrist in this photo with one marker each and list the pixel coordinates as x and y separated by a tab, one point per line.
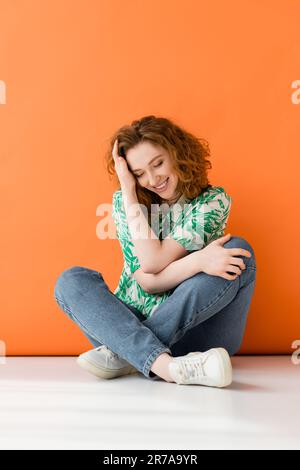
130	201
129	192
196	260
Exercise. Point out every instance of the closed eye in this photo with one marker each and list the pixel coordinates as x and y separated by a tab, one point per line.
155	166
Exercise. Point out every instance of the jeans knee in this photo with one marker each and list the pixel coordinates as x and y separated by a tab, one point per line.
66	280
239	242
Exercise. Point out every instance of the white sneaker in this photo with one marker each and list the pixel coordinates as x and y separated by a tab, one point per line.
212	368
104	363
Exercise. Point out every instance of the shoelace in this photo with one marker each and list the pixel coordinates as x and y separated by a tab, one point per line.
108	353
189	368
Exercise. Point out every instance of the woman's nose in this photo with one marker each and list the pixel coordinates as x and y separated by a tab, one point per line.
152	181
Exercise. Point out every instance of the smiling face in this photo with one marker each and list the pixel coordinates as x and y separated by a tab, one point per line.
153	168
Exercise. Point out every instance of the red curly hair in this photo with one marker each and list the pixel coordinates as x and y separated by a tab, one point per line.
189	154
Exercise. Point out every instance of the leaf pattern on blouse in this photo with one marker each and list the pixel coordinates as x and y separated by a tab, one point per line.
194	223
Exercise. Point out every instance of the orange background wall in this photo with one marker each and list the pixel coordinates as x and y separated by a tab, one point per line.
75	71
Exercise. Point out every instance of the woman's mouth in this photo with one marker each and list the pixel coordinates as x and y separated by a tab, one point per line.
162	187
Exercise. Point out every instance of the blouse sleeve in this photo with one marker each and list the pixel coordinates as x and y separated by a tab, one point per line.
203	221
123	234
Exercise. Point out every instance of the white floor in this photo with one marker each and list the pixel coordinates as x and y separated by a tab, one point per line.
51	403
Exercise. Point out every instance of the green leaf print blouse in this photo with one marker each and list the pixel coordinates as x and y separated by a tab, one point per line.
194	223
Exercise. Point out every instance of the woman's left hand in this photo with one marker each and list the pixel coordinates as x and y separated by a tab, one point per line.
126	178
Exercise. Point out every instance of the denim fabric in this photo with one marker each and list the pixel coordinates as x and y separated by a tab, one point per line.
202	312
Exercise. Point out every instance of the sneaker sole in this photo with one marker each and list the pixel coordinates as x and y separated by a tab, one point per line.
104	372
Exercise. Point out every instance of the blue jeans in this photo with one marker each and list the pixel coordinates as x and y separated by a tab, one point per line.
202	312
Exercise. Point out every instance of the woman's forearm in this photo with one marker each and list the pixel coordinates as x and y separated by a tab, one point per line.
144	239
175	273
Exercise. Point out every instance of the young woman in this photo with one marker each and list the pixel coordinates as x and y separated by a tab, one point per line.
180	308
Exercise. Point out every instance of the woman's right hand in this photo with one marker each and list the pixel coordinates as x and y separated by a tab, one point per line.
217	260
